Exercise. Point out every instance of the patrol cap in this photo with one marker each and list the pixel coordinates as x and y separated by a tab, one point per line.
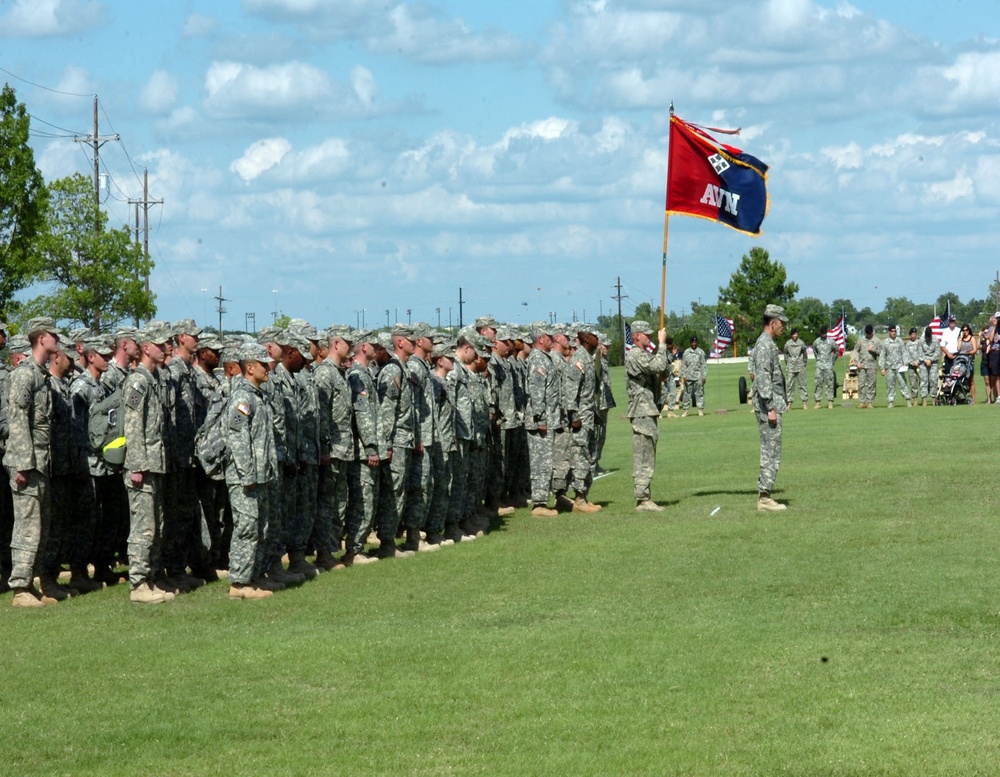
486	321
402	330
78	335
102	344
444	349
210	341
267	334
187	326
423	329
477	341
363	336
253	352
383	339
305	329
342	331
19	344
42	324
995	315
603	339
3	326
294	339
913	330
526	335
775	311
157	332
539	328
505	333
126	333
230	353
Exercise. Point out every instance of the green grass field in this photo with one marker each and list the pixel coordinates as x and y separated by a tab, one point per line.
854	634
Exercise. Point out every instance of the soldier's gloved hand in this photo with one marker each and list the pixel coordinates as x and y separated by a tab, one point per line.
136	478
21	478
542	429
373	460
577	423
772	418
388	455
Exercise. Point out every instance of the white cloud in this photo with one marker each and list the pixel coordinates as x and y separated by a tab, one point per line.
198	25
959	187
236	89
260	157
850	156
160	94
364	84
44	18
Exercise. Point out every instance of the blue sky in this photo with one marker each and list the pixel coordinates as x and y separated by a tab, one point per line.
363	155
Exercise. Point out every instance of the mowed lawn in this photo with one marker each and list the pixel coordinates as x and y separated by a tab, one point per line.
854	634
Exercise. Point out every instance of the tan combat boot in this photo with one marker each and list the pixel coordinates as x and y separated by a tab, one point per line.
581	505
647	506
829	405
247	591
767	505
24	597
144	593
543	511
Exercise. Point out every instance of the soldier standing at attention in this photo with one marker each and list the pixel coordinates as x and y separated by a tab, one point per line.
694	370
866	354
769	404
146	464
252	465
795	365
911	357
825	351
367	452
891	358
644	373
29	417
541	419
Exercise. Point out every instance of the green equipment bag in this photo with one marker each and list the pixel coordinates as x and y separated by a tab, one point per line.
106	429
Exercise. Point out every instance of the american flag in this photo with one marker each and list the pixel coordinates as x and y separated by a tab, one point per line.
628	337
939	323
839	335
724	333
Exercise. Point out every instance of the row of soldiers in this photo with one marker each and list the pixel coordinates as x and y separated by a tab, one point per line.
323	437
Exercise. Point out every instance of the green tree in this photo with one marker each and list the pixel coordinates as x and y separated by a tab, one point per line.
757	282
899	311
22	203
813	313
98	274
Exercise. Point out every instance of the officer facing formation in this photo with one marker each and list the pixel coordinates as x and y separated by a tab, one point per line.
795	365
694	371
643	383
826	352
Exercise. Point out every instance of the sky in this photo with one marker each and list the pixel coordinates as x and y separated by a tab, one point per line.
365	161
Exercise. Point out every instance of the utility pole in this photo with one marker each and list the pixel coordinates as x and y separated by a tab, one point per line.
220	299
96	141
145	202
250	323
461	302
621	328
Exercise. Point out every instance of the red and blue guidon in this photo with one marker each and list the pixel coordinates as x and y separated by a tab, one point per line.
714	181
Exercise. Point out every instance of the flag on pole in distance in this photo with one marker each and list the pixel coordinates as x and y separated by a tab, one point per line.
628	337
936	328
839	336
723	333
714	181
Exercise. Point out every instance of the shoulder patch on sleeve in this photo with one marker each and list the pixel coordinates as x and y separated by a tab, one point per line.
243	407
579	366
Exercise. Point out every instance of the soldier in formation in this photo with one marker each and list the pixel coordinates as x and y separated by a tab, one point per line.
825	352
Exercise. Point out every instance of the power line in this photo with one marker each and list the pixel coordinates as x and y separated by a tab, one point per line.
39	86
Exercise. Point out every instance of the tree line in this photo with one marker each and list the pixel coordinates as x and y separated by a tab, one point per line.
55	237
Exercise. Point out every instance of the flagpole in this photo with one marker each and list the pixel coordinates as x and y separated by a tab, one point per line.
663	282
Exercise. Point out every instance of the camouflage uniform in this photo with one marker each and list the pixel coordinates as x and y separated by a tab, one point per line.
29	418
213	494
482	435
643	382
93	532
694	370
866	354
929	354
795	366
252	464
181	529
769	394
605	402
315	517
825	351
891	358
580	386
284	395
441	453
145	427
911	356
398	424
365	442
420	479
337	444
542	409
504	422
459	380
69	512
6	505
562	440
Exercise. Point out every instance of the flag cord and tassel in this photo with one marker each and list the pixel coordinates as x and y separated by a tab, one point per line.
663	281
